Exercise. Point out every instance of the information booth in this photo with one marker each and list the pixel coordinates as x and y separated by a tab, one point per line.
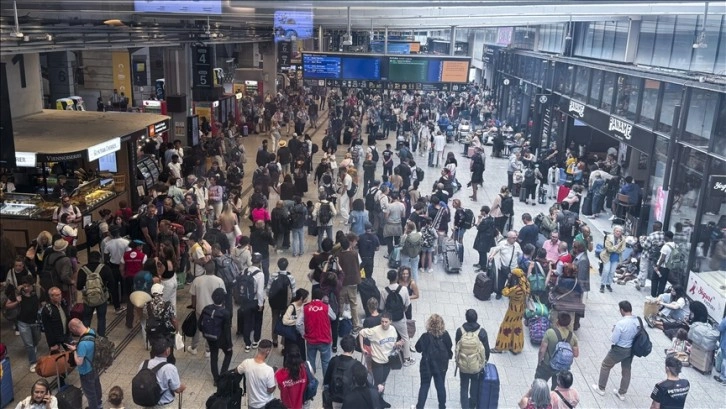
90	156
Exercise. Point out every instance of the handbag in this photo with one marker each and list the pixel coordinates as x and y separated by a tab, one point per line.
178	341
537	279
52	365
286	331
535	308
395	360
411	327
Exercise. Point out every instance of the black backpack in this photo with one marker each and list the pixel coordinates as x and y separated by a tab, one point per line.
227	270
155	327
93	233
280	292
246	289
641	343
325	213
353	190
394	304
507	205
342	382
211	321
419	174
371	199
569	221
297	216
529	177
374	154
145	389
468	221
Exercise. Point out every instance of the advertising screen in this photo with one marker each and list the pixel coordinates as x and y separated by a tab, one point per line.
291	24
362	68
319	66
179	6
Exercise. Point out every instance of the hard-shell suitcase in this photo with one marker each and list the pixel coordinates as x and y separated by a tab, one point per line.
245	130
522	194
586	207
69	396
483	287
537	327
488	388
701	360
452	261
6	384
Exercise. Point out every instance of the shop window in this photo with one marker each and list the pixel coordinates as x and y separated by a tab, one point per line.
582	83
672	96
719	133
686	185
597	39
595	88
711	240
701	114
608	42
627	97
608	90
651	90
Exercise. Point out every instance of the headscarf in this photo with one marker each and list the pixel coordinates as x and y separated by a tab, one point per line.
523	281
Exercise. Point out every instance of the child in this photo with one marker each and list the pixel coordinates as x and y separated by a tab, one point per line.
116	397
680	348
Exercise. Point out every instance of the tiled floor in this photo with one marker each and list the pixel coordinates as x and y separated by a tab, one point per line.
448	295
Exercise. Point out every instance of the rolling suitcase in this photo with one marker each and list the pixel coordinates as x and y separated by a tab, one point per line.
394	259
586	207
245	130
537	327
69	396
701	360
483	287
6	384
542	196
452	262
229	392
489	388
522	194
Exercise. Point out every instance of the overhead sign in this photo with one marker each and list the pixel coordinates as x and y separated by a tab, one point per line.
25	159
122	73
202	69
104	148
700	290
284	55
717	186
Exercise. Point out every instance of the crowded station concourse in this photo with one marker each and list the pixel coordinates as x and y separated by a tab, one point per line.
378	209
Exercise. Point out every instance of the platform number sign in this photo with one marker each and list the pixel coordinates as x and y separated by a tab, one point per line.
203	75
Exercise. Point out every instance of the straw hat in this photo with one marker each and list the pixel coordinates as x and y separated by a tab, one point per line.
139	298
60	245
282	144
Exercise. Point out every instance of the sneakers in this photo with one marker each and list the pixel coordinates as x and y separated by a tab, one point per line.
598	390
719	380
32	368
609	288
409	362
612	218
121	310
192	350
247	348
255	344
618	395
602	288
207	354
421	270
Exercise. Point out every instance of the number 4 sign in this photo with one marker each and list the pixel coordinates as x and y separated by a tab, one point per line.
202	67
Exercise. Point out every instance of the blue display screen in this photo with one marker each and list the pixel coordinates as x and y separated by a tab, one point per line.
178	6
293	25
318	66
433	72
393	48
362	68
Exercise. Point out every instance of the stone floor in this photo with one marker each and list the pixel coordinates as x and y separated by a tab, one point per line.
448	295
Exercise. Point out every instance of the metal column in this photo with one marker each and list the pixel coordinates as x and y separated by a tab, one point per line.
385	41
452	41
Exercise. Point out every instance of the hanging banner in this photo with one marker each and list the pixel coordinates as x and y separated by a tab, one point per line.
122	73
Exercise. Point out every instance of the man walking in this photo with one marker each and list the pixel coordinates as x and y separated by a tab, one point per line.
323	213
624	332
349	264
314	325
259	377
84	350
395	300
549	348
660	273
471	340
201	291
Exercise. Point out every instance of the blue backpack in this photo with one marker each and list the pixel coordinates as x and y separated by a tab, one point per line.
563	356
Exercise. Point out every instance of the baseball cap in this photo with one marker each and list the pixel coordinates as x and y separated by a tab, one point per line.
157	289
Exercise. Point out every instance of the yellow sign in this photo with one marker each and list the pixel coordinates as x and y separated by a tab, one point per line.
204	112
122	73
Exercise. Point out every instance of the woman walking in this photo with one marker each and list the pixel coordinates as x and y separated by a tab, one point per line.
435	348
292	379
610	256
511	331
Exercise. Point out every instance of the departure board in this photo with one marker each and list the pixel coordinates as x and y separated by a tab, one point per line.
320	66
362	68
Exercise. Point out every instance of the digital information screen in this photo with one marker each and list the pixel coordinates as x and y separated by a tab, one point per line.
289	25
179	6
362	68
320	66
427	70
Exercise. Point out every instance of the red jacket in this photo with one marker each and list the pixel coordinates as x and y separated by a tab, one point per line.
317	323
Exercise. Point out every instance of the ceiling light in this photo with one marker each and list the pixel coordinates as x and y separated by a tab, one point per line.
114	23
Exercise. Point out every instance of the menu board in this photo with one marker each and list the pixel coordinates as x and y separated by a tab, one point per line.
393	69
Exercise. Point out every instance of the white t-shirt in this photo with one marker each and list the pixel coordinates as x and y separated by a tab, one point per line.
259	378
439	142
666	251
202	288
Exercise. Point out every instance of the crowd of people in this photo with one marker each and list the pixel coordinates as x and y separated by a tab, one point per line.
194	222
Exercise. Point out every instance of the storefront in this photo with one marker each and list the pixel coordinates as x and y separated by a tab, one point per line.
96	153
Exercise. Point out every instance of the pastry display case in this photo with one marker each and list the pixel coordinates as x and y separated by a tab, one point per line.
23	205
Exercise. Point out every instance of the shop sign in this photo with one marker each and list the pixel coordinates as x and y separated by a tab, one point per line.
621	127
59	157
104	148
716	185
699	290
576	108
161	127
25	159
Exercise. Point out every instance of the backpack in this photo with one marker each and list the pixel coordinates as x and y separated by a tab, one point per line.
374	154
95	292
641	343
227	270
470	357
438	354
325	213
297	216
569	221
155	327
394	304
412	247
429	237
678	259
211	321
145	389
562	358
419	174
103	352
529	177
246	289
353	190
654	253
280	292
342	383
507	205
311	389
468	221
93	233
370	200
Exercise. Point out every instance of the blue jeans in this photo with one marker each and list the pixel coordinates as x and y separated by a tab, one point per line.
298	241
412	263
597	201
608	272
328	230
30	335
325	353
91	386
100	316
723	363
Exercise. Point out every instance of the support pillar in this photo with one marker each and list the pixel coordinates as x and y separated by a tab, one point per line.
61	76
385	41
452	41
269	67
178	84
321	42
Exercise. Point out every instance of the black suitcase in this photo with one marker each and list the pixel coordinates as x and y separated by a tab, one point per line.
452	249
483	287
586	207
523	194
229	393
69	396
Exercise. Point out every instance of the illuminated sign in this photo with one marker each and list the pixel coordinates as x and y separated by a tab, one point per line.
619	126
577	108
25	159
104	148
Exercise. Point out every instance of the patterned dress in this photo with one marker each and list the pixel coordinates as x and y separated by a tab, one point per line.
511	331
